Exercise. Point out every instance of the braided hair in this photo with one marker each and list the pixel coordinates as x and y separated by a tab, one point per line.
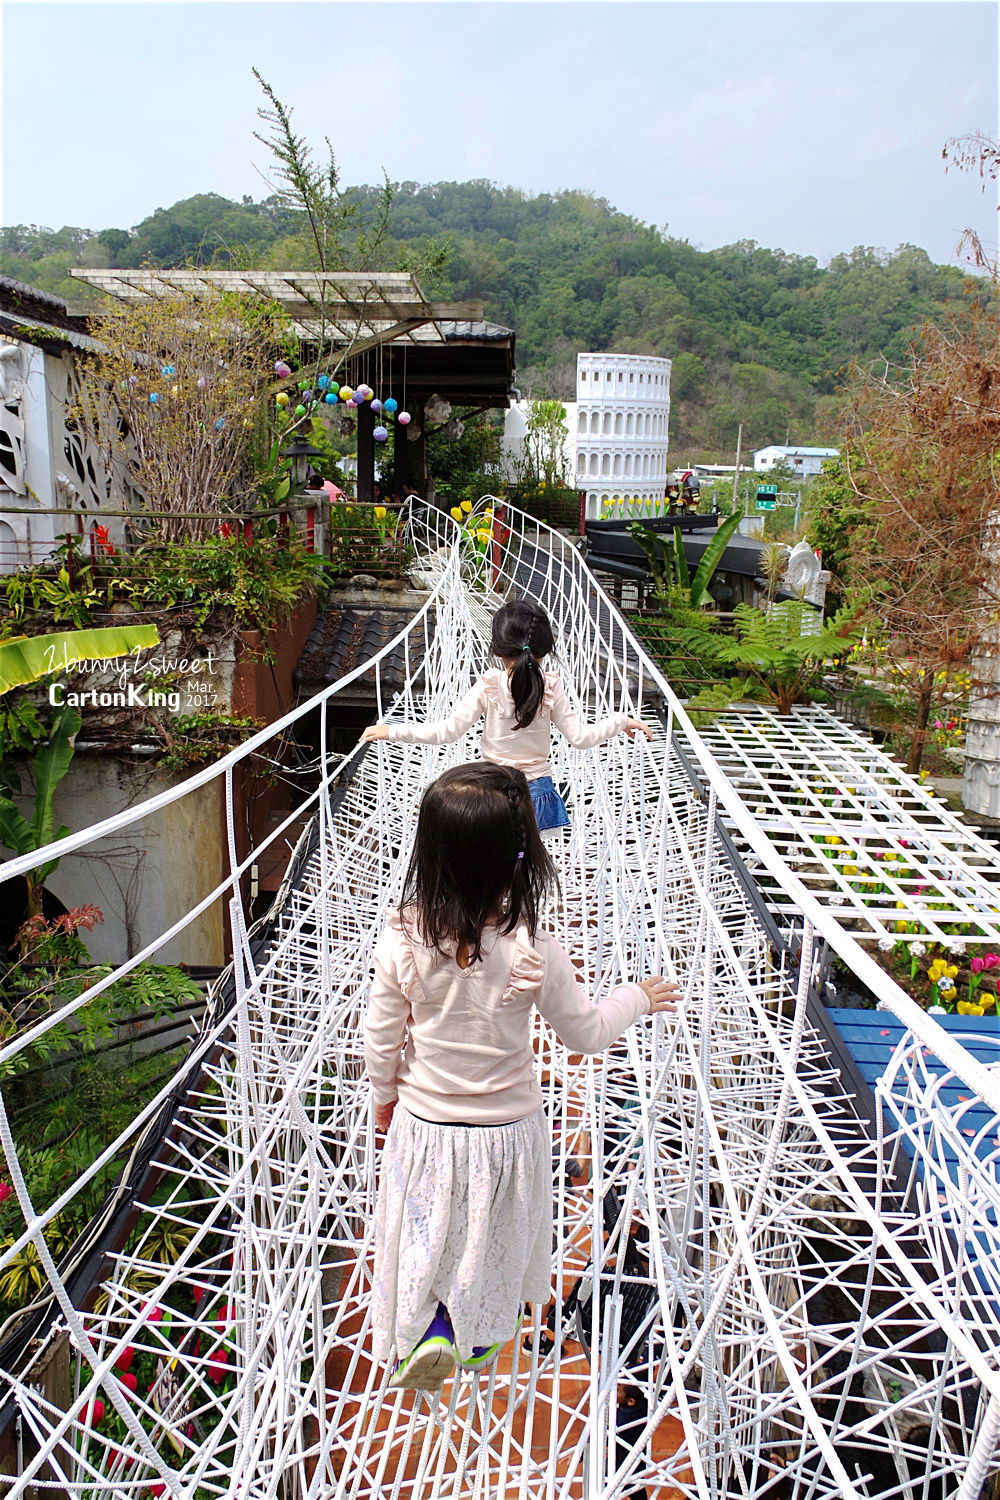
478	858
521	631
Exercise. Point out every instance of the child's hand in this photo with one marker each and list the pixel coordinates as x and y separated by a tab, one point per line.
374	732
663	994
636	726
383	1116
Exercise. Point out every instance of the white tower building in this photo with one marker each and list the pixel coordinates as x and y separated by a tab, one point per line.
621	429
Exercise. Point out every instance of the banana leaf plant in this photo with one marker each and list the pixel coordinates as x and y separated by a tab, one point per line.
28	659
665	560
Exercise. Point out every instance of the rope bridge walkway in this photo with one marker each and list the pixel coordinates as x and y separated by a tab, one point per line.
754	1291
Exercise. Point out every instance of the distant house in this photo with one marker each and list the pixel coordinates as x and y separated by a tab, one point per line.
805	461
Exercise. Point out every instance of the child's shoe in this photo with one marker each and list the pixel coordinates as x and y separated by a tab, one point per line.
431	1362
481	1357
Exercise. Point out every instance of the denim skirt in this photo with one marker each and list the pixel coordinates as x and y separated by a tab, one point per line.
550	809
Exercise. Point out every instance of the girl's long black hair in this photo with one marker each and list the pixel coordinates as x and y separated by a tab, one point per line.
522	630
477	859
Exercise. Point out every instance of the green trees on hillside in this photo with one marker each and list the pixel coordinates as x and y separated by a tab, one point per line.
757	336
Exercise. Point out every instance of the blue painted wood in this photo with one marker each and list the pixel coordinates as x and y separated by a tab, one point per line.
872	1036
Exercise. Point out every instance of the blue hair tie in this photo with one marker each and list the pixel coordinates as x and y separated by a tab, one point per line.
526	648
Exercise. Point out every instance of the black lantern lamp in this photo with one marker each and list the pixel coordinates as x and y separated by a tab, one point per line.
300	454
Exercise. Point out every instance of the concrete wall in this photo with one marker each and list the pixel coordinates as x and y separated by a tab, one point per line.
146	877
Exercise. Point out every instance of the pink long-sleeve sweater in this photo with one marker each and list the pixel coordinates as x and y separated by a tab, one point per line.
454	1045
503	743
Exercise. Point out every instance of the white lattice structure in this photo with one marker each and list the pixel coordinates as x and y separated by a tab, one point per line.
864	836
796	1307
622	420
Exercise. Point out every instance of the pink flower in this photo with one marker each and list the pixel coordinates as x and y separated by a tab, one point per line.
94	1412
5	1190
157	1489
125	1358
197	1293
950	724
977	965
129	1381
991	960
938	724
217	1362
154	1315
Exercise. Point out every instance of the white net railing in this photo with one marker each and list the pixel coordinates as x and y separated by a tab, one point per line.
754	1294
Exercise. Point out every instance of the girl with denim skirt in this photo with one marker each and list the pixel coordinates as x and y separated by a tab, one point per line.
463	1222
519	703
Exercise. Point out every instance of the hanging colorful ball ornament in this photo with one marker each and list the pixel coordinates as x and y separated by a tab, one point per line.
280	368
376	407
153	397
333	388
380	434
220	423
202	382
346	393
303	385
330	398
174	389
391	405
307	395
322	381
282	398
300	411
168	370
403	418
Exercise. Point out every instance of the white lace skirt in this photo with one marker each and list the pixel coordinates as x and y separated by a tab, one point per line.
464	1217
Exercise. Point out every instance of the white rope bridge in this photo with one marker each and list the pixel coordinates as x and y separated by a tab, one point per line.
755	1295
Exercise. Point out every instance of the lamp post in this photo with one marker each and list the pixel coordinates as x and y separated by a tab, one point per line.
299	454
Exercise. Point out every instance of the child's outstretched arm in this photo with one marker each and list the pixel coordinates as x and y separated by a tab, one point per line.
584	736
385	1024
584	1026
441	731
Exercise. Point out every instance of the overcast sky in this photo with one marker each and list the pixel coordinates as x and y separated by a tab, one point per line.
809	127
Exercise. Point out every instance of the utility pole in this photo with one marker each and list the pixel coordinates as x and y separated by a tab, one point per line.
736	476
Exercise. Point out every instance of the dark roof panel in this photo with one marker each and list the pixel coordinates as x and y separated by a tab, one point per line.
346	636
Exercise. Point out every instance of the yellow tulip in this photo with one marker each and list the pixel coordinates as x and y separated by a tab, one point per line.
467	506
380	512
456	512
849	869
967	1008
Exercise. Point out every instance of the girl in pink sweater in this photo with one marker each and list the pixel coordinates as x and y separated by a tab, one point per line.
463	1227
519	702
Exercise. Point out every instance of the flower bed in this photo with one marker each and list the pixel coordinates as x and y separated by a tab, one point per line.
367	539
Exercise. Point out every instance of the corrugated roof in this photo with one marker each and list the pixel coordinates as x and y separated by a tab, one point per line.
454	330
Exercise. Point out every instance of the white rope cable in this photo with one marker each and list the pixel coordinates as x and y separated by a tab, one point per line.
759	1199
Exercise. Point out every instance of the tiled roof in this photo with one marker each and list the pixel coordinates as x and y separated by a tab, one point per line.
39	318
346	636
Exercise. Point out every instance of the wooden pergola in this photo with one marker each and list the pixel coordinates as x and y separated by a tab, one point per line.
378	326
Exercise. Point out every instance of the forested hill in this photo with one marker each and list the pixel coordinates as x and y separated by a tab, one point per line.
755	335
